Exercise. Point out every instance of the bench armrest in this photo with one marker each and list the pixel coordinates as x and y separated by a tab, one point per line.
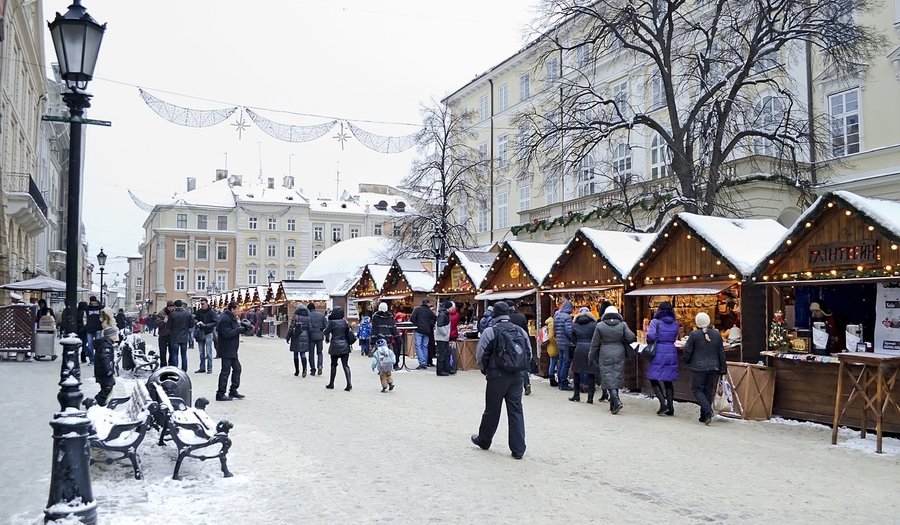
116	401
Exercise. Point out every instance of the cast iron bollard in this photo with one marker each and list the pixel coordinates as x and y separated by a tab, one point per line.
70	480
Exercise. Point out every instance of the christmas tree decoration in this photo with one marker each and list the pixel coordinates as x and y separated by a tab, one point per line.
778	334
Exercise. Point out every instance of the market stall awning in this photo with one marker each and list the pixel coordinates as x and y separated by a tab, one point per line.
581	289
682	289
493	295
392	297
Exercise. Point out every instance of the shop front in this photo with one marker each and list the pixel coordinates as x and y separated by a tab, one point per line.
294	293
459	281
406	284
515	277
833	286
703	264
592	270
368	288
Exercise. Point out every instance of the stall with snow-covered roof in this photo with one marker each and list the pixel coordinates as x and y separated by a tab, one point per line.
515	276
704	264
368	286
833	285
460	279
407	283
299	292
343	294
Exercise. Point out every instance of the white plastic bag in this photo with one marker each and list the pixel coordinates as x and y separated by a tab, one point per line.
722	401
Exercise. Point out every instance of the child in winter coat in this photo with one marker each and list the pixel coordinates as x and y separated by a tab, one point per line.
104	366
383	360
363	332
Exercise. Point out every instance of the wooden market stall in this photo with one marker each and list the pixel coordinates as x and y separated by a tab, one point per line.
302	292
594	267
407	283
703	264
368	287
344	294
515	275
842	255
459	281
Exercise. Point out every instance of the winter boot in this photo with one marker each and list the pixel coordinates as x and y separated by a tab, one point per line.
605	396
614	404
330	385
590	399
349	386
576	396
297	371
670	400
553	381
304	372
657	391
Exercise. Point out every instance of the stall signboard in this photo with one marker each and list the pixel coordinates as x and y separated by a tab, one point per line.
887	313
843	253
458	279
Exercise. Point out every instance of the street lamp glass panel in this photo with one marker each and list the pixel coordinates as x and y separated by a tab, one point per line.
101	258
76	39
436	243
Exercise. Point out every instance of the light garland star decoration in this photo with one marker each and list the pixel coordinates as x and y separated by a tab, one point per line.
241	125
342	136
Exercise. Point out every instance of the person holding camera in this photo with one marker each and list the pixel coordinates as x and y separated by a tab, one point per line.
230	331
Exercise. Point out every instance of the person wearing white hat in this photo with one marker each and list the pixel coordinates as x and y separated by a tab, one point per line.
611	336
15	298
704	353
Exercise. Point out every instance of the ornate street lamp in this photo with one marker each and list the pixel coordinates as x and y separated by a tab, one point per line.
437	244
101	261
76	39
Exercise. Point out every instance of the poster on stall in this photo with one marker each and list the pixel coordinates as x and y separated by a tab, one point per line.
887	315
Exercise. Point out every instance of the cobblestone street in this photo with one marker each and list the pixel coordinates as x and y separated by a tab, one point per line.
304	453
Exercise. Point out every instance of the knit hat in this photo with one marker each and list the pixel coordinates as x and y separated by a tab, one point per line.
585	310
426	301
490	309
501	308
610	310
110	331
380	342
447	305
702	320
814	306
382	307
170	303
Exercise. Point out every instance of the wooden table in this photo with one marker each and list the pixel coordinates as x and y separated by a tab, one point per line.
866	370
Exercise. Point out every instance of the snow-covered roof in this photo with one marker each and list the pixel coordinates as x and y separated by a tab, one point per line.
475	264
335	206
884	212
217	194
622	249
379	274
305	291
335	263
538	257
391	202
260	193
349	282
419	281
742	242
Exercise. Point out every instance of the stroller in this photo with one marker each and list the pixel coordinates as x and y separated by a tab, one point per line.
134	355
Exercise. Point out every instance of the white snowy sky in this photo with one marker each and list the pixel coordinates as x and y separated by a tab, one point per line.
344	59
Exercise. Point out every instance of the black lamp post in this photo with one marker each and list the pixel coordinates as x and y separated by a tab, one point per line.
76	39
101	261
437	244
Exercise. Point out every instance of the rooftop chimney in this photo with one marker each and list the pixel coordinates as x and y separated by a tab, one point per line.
221	174
271	183
191	183
234	180
289	182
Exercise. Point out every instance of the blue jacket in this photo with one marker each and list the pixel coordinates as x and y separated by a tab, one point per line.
663	331
563	327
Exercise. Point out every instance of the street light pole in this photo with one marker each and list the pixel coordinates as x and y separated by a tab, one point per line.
101	262
76	40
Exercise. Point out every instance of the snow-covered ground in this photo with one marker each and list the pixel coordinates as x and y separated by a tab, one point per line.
305	454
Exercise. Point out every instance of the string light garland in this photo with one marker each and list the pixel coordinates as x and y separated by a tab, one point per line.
290	133
194	118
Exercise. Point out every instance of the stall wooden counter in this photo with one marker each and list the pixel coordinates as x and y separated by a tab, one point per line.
466	352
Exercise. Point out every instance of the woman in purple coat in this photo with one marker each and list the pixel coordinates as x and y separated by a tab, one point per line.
663	367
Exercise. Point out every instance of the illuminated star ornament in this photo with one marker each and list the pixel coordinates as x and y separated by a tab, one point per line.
342	136
241	125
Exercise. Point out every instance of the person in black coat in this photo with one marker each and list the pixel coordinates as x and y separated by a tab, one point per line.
121	320
385	327
104	363
230	331
179	324
582	333
80	330
206	319
517	318
339	337
298	338
704	353
424	318
317	323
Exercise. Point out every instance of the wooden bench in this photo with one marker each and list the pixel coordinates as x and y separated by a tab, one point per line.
121	430
191	430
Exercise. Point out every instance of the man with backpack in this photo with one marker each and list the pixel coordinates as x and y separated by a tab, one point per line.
503	353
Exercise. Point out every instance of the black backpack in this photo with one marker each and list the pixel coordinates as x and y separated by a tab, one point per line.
513	351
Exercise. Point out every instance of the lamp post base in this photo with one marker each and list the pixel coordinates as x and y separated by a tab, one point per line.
71	493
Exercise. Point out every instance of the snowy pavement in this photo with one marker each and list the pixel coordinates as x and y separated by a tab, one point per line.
305	454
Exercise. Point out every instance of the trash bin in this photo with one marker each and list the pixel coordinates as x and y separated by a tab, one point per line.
44	344
174	381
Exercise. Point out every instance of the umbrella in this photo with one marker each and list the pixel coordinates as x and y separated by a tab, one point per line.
39	284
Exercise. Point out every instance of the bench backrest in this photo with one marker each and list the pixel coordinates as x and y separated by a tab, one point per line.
140	399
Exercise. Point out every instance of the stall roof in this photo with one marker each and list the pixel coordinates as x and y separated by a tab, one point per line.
379	274
335	263
305	290
885	213
622	249
537	257
491	295
475	264
419	281
682	289
742	242
349	282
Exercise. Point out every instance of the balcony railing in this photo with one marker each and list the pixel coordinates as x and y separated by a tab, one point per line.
23	183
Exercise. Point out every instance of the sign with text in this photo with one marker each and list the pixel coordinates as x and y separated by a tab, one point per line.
887	318
843	254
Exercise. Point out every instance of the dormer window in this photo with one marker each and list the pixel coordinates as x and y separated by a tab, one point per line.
382	205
